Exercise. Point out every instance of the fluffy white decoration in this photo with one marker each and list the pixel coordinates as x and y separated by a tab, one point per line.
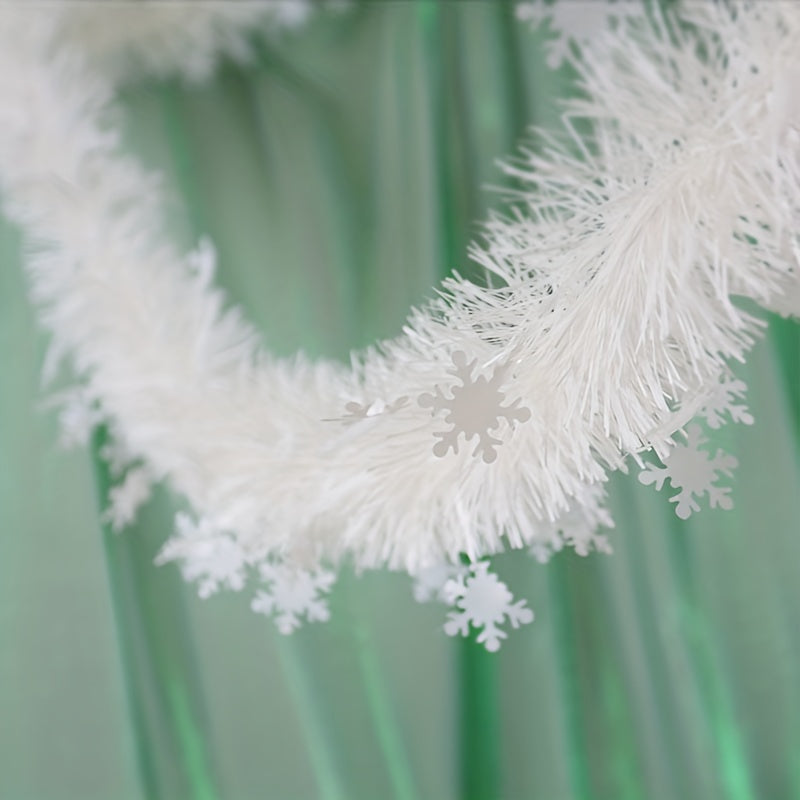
127	38
610	318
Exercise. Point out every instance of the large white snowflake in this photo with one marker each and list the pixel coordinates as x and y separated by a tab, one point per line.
474	408
725	402
484	602
293	593
694	472
206	555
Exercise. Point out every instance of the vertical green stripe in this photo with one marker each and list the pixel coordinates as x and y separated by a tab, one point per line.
732	762
158	665
330	782
383	717
576	744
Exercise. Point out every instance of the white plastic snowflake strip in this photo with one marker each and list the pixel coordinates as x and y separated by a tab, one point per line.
609	305
483	602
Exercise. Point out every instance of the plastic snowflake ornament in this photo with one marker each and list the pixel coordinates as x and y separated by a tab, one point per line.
473	409
206	555
694	472
723	404
429	584
484	602
293	593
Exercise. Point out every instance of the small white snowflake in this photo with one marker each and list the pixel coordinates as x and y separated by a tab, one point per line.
694	472
429	583
484	602
544	549
127	497
206	555
474	409
723	403
577	527
292	594
572	529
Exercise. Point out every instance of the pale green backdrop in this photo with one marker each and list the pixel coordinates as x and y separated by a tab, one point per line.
340	177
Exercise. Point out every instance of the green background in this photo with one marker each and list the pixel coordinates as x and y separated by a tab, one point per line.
341	176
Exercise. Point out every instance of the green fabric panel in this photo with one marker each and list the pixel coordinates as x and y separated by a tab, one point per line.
340	177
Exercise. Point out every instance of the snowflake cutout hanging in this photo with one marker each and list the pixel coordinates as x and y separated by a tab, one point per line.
429	583
694	472
205	555
293	593
572	530
722	404
473	409
483	601
577	527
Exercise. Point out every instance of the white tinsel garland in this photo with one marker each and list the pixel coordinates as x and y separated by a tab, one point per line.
492	420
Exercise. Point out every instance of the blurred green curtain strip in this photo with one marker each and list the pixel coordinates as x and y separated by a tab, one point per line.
340	177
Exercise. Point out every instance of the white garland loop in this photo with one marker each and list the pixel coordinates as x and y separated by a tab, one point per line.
607	322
